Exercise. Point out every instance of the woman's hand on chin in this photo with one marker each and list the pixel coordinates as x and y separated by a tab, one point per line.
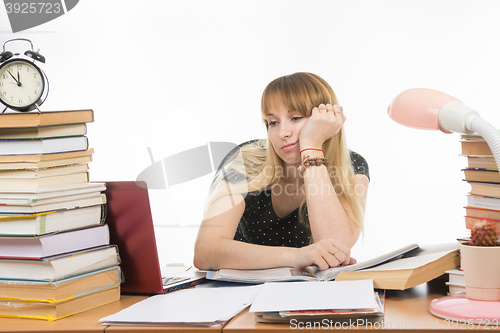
324	123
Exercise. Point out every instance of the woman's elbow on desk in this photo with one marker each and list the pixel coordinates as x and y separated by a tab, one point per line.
201	259
216	233
208	253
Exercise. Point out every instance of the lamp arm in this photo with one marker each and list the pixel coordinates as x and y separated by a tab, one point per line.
490	135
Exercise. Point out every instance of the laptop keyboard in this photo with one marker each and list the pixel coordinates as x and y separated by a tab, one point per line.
169	280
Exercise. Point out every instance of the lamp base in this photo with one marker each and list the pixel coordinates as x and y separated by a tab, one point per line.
460	309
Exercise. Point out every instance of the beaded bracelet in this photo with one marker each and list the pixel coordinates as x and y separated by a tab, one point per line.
307	162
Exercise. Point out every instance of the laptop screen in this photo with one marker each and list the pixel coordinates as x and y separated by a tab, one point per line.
131	229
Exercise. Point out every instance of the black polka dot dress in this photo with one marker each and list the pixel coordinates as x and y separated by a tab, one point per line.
260	224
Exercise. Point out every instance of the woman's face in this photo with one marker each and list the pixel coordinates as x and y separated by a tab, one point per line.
284	127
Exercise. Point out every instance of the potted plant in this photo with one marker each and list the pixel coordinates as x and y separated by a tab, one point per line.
480	261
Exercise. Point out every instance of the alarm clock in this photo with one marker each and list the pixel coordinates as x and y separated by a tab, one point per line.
23	85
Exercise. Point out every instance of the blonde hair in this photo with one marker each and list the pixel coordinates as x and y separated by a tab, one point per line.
260	164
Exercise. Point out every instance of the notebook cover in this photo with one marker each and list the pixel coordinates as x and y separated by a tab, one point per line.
131	228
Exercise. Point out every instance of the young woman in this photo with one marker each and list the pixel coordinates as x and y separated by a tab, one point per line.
296	199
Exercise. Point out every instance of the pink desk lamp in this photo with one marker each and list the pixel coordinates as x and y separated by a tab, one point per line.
433	110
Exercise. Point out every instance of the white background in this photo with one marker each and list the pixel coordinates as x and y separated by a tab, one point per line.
174	75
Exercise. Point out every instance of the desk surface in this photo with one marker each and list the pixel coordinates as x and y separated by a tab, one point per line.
88	322
126	301
404	310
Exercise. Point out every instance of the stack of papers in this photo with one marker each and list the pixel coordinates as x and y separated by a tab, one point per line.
189	307
271	302
281	302
314	295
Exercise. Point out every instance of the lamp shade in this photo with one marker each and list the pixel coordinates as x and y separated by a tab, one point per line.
419	108
429	109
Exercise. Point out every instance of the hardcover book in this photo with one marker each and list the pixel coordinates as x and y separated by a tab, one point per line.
54	204
59	266
43	132
43	146
53	292
477	175
48	118
483	202
37	247
482	213
475	148
485	189
34	161
51	222
51	312
9	184
406	272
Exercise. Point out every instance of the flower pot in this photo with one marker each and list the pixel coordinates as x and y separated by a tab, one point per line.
481	266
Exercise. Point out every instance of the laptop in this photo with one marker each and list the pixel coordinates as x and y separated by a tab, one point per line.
131	229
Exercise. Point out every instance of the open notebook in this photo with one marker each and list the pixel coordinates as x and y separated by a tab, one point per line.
131	228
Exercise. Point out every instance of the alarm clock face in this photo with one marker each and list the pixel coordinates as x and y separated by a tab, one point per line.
21	84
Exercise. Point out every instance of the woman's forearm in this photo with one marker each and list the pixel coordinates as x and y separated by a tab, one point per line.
327	216
225	253
215	247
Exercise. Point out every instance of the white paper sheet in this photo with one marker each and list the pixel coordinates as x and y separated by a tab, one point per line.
314	295
197	307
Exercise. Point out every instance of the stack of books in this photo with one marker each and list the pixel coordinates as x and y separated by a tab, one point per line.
483	200
55	256
456	282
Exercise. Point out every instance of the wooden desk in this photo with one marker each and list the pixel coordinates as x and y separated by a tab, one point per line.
126	301
404	310
87	321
